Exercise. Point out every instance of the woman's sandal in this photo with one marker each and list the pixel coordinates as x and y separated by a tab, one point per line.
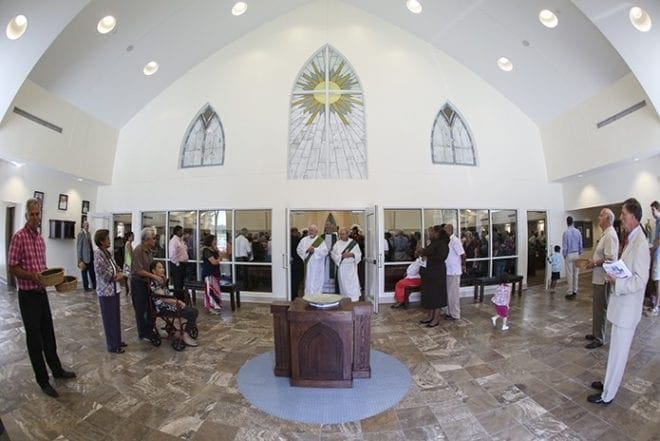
117	350
122	345
425	322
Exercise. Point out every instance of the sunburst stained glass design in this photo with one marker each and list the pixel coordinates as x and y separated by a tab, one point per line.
204	143
327	137
451	141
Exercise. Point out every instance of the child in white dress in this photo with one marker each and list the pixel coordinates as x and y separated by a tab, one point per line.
501	300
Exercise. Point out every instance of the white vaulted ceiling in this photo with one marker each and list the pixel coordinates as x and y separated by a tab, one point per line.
554	69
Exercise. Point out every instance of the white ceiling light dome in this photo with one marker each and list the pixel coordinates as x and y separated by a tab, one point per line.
548	18
414	6
239	8
640	19
505	64
150	68
16	27
106	24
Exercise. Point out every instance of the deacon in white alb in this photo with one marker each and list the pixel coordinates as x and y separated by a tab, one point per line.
312	250
346	255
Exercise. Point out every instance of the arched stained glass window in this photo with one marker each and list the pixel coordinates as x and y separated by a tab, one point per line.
204	143
451	141
327	136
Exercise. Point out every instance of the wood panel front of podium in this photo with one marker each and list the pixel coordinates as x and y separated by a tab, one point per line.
322	348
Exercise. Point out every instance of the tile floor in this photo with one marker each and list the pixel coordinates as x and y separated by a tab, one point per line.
471	381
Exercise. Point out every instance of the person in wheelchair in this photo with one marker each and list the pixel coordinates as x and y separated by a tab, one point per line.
166	305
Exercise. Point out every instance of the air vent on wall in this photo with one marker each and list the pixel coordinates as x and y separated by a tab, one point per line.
37	120
621	114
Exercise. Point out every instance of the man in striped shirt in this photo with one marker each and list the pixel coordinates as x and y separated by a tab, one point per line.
27	258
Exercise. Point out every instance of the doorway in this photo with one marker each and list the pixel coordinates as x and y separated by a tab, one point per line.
328	221
9	230
121	227
537	247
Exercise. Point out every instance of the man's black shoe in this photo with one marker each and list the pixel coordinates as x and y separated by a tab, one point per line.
594	344
48	390
65	375
590	337
597	399
570	296
597	385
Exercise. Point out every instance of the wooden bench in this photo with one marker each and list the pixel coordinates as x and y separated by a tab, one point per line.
407	291
481	282
232	289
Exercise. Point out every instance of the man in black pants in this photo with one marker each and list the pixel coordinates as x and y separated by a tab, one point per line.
140	277
27	259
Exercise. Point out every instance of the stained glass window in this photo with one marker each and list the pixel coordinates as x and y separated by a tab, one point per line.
204	143
451	141
327	136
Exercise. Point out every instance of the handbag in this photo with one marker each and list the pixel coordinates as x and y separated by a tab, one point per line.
82	266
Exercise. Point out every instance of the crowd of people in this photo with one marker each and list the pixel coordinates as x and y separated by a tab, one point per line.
621	265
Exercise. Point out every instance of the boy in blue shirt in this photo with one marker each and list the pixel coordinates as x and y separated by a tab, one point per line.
555	267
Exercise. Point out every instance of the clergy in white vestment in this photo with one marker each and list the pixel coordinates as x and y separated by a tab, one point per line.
346	255
312	250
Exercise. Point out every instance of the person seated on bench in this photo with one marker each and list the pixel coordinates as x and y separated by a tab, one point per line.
412	279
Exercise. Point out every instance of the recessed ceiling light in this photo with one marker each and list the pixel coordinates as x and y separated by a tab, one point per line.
150	68
16	27
505	64
106	24
548	18
636	159
80	179
239	8
414	6
579	176
640	19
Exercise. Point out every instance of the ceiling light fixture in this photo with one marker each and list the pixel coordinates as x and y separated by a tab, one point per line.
640	19
636	159
17	164
579	176
505	64
16	27
80	179
106	24
239	8
414	6
150	68
548	18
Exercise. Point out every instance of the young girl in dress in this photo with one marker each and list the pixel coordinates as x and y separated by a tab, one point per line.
501	300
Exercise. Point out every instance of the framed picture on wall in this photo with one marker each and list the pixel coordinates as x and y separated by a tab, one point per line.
83	218
63	203
85	207
39	195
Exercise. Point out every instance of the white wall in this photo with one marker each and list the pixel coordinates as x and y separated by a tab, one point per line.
573	144
85	148
18	184
405	81
640	180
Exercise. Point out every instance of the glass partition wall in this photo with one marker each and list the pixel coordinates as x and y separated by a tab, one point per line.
243	238
488	237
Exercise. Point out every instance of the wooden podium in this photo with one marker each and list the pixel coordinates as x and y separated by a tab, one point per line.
322	348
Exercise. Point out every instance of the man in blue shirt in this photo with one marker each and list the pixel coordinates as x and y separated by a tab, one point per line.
571	249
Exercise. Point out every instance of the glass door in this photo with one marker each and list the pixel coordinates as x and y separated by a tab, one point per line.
373	257
537	248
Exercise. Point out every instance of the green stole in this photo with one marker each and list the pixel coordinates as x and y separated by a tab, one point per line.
349	247
318	241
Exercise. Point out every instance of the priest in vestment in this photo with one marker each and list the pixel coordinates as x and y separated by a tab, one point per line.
312	250
346	255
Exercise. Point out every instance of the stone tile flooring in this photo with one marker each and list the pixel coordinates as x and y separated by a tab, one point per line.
471	381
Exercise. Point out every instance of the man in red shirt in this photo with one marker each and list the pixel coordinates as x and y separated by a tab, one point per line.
27	258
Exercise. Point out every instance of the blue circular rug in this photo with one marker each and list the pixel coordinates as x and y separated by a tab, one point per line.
389	383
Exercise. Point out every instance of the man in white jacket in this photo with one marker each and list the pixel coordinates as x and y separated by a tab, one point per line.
625	305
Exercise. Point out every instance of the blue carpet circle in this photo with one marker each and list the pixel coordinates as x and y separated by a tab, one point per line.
389	383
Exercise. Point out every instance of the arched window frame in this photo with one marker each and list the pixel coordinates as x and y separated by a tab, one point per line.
450	120
327	145
206	115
